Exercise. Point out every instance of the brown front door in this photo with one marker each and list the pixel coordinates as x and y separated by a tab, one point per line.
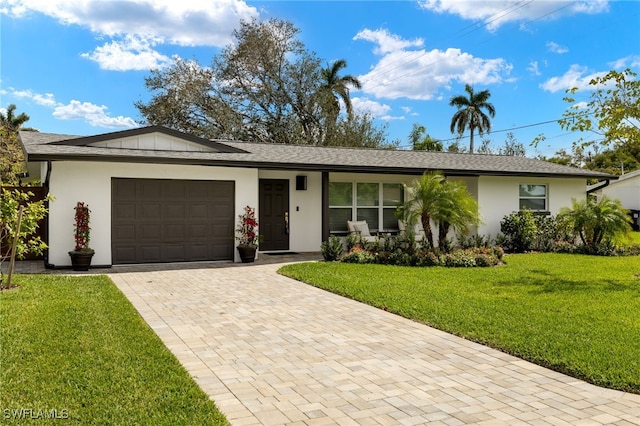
273	214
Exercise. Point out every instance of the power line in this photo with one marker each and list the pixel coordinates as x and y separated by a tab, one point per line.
460	137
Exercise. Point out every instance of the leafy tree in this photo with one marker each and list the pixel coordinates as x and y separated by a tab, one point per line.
470	113
421	141
360	131
12	159
612	115
264	87
512	147
33	212
597	222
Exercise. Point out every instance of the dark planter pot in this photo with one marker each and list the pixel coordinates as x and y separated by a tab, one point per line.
80	261
247	253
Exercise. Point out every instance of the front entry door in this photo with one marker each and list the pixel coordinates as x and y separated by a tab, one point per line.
273	216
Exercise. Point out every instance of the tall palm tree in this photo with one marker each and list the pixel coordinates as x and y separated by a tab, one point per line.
334	87
13	122
470	113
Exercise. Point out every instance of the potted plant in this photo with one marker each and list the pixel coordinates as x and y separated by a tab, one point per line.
82	254
247	235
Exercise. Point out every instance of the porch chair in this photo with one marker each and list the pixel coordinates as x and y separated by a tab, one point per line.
361	228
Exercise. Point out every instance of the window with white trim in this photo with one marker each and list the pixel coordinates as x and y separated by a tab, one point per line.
533	197
374	202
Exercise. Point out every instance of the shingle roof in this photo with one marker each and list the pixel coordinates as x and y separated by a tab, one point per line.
46	146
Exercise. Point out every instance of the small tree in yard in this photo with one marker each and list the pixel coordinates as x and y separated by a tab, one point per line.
22	236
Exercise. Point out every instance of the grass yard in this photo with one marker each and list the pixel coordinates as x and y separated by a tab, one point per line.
576	314
74	348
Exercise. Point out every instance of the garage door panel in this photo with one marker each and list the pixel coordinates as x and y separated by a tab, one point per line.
161	220
124	232
199	210
149	254
198	232
173	252
125	210
150	231
149	211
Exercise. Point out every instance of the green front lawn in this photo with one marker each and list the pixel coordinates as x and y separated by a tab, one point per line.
74	348
576	314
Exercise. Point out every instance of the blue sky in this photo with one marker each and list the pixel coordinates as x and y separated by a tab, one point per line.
78	66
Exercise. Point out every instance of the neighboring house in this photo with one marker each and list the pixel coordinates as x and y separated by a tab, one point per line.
159	195
626	189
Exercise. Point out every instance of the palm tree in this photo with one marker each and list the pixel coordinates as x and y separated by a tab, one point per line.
422	141
446	203
470	114
13	122
596	222
456	209
422	202
333	88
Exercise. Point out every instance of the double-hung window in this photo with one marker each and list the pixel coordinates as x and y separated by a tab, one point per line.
374	202
533	197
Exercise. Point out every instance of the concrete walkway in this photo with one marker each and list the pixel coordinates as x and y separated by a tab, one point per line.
272	351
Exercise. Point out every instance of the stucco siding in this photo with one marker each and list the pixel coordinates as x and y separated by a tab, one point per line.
499	196
305	209
90	182
627	191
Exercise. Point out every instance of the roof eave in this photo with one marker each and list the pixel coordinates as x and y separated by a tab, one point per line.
299	166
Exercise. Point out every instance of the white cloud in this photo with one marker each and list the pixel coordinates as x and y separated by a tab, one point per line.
367	106
46	99
386	42
495	13
632	61
95	115
130	54
533	68
556	48
577	76
181	22
420	74
136	26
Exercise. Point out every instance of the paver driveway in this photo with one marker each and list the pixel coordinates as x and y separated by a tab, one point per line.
272	351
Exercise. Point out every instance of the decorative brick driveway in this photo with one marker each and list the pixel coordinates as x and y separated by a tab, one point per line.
272	351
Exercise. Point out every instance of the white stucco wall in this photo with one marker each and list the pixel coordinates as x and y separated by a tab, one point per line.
499	196
90	182
626	190
305	209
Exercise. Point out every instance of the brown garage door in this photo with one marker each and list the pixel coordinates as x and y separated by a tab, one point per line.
157	220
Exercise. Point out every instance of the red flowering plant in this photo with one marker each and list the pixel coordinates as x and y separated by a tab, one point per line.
82	230
247	230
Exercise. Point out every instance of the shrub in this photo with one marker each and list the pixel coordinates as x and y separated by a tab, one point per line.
473	241
358	255
332	248
519	230
460	258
